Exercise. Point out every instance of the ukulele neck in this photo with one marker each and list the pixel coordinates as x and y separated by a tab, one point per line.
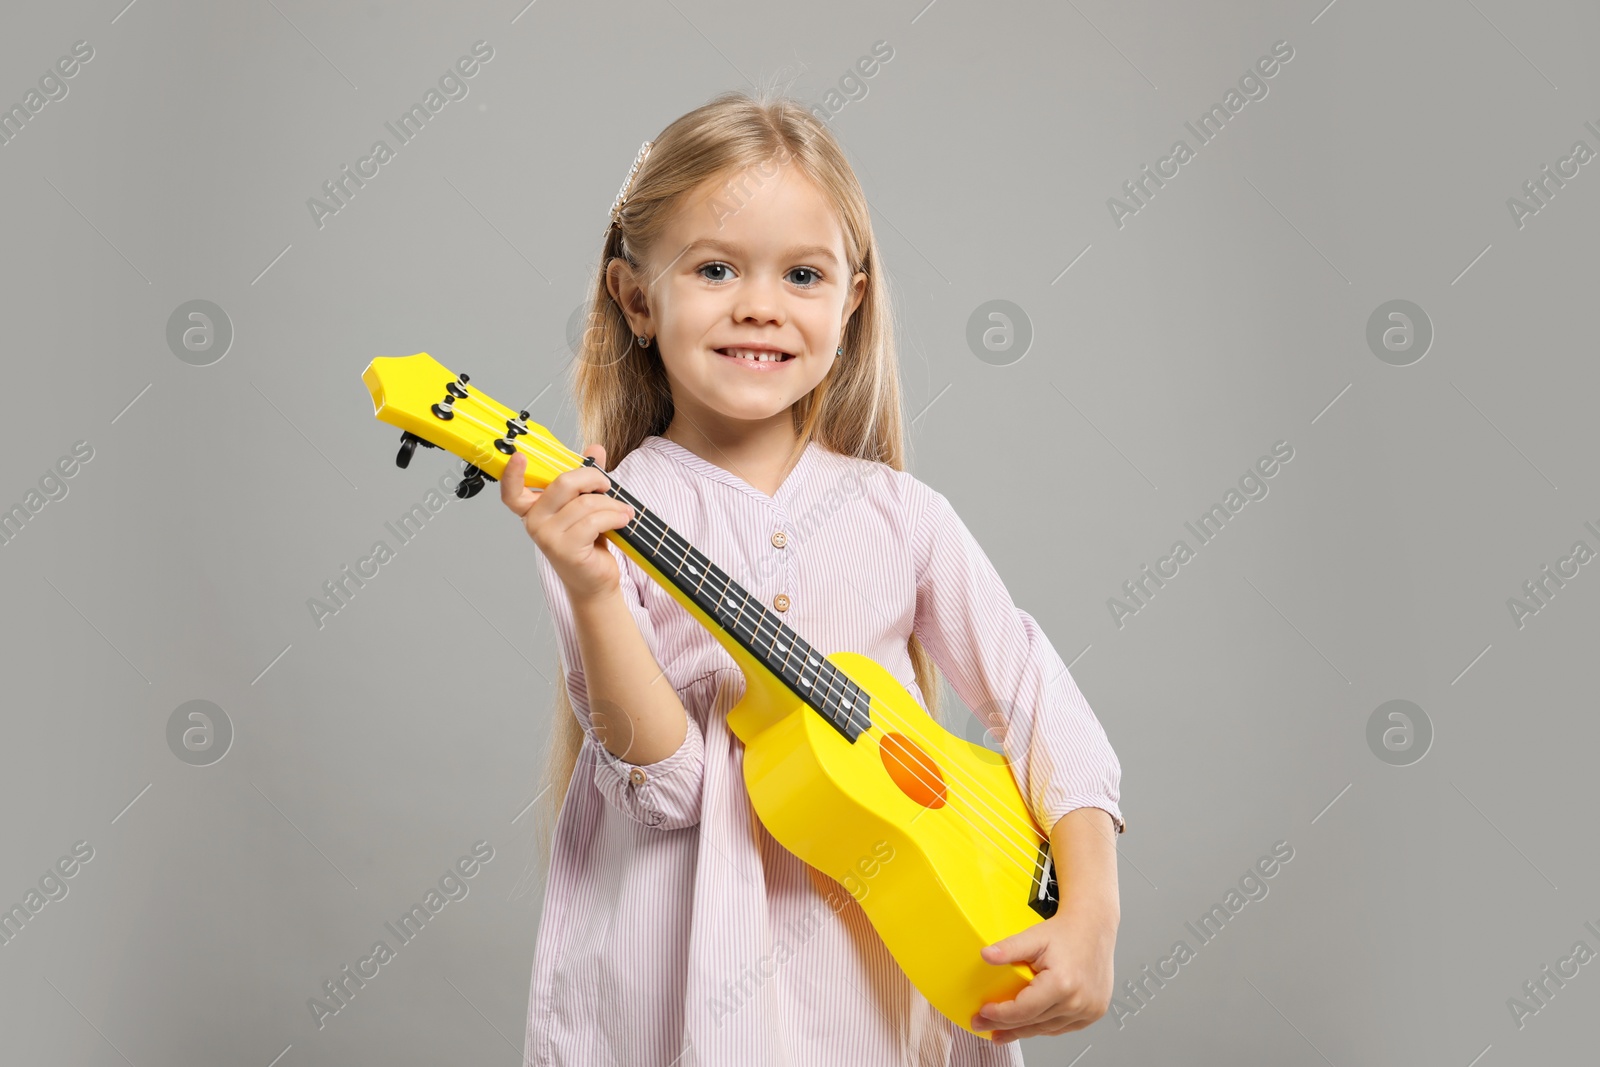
731	612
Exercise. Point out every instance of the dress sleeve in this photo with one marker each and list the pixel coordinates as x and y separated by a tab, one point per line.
664	794
1003	666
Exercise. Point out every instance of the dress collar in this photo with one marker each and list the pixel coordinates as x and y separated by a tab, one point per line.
677	453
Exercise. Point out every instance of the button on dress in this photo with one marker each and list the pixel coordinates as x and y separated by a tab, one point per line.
675	931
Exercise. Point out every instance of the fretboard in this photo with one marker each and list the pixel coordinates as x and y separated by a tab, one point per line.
742	616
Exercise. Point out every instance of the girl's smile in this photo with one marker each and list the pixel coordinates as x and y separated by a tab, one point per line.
756	357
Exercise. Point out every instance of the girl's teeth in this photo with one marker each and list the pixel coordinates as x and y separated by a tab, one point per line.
744	353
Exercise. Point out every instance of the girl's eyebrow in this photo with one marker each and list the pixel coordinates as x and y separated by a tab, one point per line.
797	252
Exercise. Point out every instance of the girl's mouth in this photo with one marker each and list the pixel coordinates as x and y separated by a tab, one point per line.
755	359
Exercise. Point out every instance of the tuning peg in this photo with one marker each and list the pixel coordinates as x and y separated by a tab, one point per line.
454	391
472	481
408	444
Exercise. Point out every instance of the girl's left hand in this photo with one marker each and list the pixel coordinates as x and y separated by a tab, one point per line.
1071	953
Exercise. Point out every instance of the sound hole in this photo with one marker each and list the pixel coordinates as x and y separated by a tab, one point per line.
912	770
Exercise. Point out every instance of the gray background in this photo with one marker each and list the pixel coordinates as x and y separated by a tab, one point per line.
1228	314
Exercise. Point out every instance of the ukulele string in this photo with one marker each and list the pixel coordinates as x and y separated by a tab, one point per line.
1005	833
978	790
1010	826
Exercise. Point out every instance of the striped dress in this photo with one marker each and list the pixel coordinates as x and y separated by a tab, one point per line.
676	932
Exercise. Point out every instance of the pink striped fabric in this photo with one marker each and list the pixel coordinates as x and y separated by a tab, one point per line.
675	930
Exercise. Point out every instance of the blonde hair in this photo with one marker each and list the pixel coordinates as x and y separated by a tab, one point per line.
621	389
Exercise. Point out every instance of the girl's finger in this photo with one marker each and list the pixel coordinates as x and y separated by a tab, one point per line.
593	525
562	489
1034	1003
1050	1028
513	493
582	512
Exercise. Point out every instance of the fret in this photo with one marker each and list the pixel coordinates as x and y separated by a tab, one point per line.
809	661
738	612
848	699
777	632
828	697
701	567
792	642
682	556
753	626
616	494
728	597
789	651
703	596
777	647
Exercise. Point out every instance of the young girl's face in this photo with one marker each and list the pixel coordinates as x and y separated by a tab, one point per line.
759	265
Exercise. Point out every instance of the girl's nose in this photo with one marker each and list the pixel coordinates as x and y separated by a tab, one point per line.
759	301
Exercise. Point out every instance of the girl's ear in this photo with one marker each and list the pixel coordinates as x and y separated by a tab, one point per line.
623	284
858	290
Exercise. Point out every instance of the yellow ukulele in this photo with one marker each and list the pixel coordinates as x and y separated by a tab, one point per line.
839	757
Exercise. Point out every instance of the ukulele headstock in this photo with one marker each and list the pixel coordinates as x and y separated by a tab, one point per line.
438	409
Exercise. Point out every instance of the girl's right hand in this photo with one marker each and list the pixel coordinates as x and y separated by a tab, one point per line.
568	520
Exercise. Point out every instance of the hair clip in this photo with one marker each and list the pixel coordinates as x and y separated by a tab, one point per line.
627	185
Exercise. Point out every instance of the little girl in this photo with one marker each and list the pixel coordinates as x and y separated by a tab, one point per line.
740	373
